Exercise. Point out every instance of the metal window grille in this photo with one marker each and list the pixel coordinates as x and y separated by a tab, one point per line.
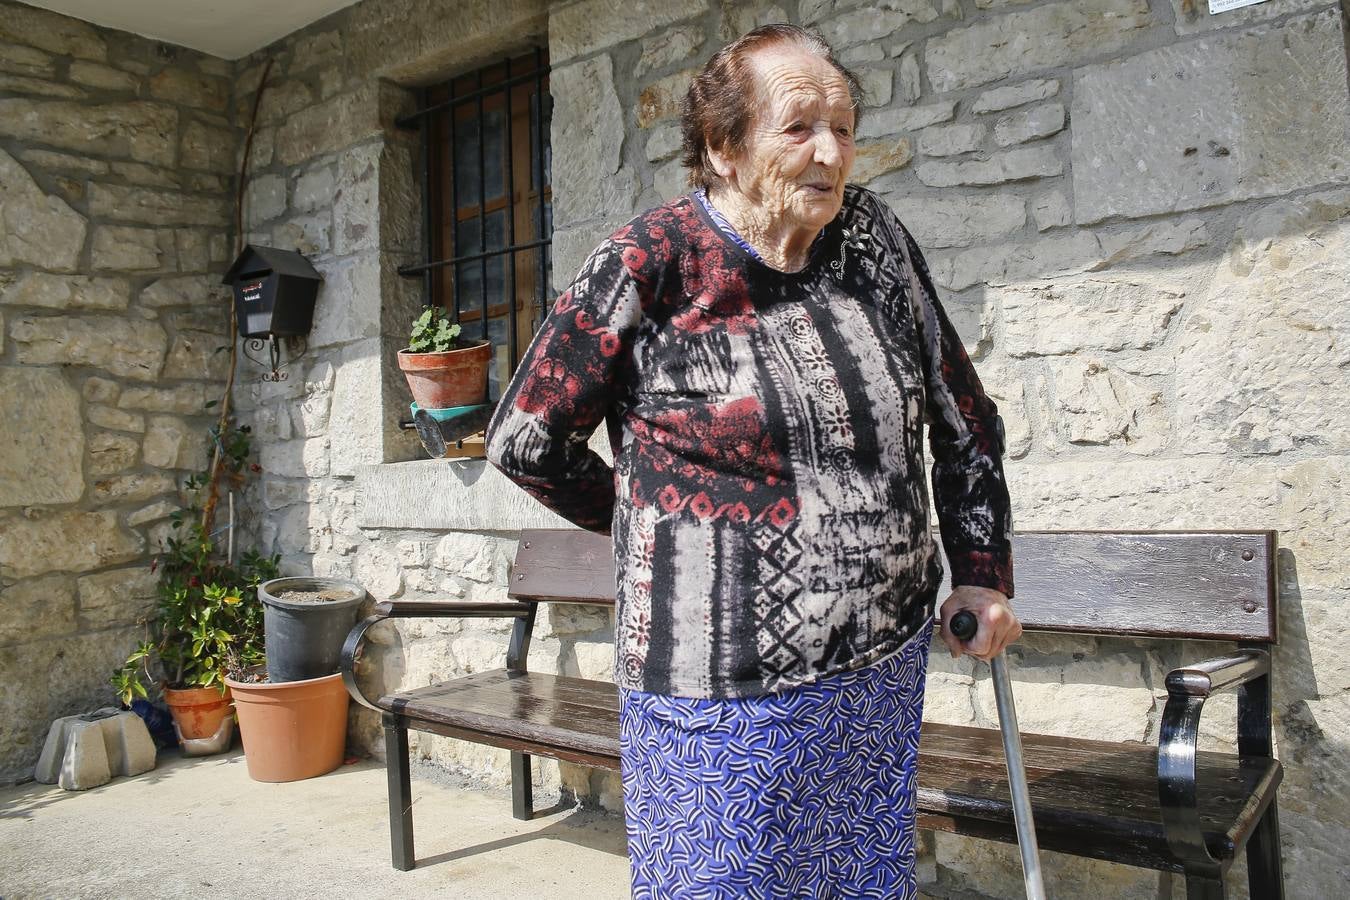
487	213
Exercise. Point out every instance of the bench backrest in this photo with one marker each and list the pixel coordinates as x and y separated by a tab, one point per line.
1211	585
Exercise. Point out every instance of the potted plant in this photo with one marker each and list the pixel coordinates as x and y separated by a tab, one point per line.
291	729
293	710
444	371
207	614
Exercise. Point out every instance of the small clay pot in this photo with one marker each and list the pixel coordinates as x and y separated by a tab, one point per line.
197	712
294	729
449	378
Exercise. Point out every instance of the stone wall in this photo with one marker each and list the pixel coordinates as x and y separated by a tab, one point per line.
1138	214
116	194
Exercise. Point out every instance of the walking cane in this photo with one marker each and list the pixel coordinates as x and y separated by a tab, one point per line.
963	626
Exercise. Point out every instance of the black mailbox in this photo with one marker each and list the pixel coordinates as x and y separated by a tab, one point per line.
274	292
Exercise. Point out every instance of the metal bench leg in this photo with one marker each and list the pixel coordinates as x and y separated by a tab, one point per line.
522	787
1264	873
1205	884
400	792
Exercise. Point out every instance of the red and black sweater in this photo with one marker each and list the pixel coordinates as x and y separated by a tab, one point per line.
767	500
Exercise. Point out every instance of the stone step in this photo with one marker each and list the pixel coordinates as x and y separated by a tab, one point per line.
88	750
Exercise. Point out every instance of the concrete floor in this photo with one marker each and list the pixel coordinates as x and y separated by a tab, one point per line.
202	828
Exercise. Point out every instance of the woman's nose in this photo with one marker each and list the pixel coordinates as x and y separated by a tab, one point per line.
827	148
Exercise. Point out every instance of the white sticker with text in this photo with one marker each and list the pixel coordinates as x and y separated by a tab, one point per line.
1219	6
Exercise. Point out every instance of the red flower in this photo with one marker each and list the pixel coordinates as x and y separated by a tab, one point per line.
634	258
610	343
549	386
736	512
563	304
782	512
669	498
701	506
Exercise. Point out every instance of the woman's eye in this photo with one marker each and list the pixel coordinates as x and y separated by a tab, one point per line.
844	131
796	128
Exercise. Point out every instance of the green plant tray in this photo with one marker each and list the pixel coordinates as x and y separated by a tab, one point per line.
445	415
442	429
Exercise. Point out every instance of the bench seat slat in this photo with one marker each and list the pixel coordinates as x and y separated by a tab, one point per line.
497	702
1089	814
1092	798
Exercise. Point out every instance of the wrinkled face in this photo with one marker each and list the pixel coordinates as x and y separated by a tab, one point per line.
800	146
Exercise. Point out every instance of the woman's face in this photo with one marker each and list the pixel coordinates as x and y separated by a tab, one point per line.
800	146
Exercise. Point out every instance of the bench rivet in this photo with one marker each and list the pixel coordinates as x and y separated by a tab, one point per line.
1250	606
520	577
1247	555
527	545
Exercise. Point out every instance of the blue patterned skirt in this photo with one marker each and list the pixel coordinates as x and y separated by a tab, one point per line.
808	792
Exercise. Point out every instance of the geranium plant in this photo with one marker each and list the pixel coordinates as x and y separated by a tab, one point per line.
434	332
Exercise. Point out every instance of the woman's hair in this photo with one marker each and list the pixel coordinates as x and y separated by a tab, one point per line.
721	101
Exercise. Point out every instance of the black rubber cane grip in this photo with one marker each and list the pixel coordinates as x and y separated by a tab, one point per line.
964	625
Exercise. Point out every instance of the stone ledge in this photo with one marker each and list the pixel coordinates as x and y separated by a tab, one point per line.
435	494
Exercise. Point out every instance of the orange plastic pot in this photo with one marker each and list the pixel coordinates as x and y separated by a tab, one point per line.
198	712
447	379
292	729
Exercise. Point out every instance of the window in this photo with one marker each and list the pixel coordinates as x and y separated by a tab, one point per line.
488	204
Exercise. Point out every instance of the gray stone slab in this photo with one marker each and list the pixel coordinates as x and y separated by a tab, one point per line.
39	464
590	25
956	220
1057	34
1015	95
35	228
143	131
64	541
1231	117
1260	359
122	347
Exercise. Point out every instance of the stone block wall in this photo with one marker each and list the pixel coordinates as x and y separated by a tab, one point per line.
1138	214
117	157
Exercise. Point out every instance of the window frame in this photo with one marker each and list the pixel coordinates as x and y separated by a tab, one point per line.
514	83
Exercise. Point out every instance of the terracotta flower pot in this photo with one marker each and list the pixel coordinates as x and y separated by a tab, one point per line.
197	712
292	729
448	379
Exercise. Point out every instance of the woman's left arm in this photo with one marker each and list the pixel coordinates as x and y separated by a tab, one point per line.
971	494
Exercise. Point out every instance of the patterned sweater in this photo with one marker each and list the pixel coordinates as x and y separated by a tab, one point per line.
767	501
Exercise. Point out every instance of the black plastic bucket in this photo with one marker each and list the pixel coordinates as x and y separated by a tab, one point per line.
304	637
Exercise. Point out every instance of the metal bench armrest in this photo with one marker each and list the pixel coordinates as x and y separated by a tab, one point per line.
1219	674
1187	690
406	609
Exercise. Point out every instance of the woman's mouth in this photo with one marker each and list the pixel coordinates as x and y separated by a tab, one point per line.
819	188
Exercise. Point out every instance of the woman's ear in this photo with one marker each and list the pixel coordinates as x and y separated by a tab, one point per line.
721	164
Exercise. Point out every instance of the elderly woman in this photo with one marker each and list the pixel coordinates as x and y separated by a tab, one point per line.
765	351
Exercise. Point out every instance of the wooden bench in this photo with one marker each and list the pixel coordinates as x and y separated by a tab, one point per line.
1171	807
